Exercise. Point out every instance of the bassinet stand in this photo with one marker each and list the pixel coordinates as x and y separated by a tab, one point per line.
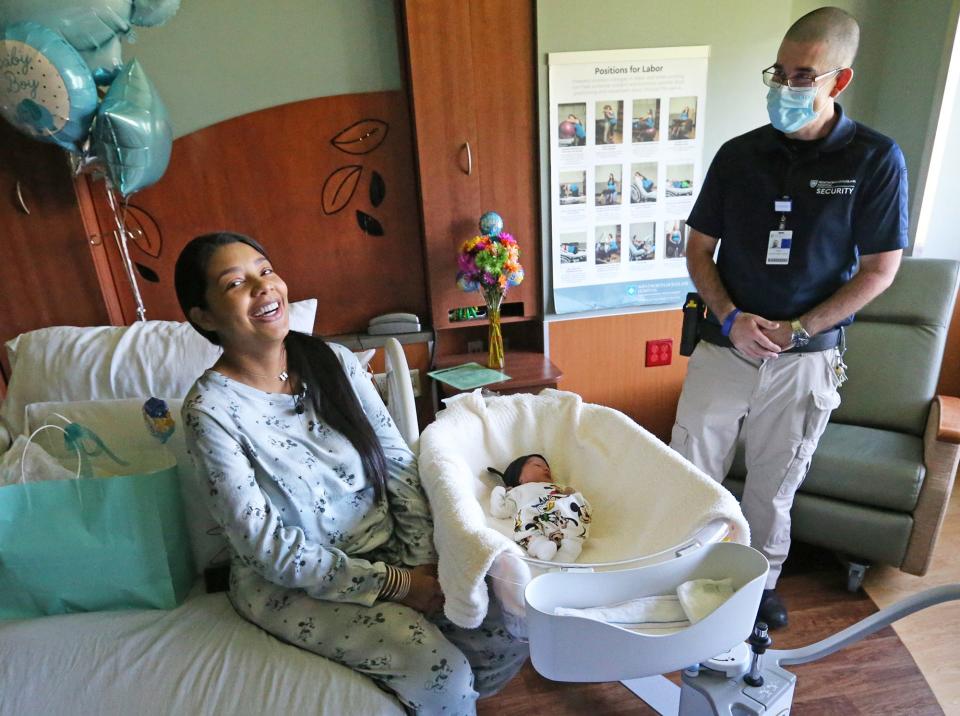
750	680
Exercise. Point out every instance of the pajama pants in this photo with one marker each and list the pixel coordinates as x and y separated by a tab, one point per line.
779	407
432	665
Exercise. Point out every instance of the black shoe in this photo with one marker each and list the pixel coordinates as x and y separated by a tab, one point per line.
772	610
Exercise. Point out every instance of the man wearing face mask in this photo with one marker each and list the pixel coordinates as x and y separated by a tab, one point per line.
810	213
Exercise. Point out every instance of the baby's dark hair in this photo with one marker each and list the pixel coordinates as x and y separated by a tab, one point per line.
511	476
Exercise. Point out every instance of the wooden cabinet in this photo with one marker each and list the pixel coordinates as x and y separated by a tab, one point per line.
472	80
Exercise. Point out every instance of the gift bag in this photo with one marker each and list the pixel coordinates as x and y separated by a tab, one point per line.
93	543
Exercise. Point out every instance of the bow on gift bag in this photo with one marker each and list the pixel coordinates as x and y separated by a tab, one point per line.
93	543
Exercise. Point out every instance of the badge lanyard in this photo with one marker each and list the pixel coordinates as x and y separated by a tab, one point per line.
781	238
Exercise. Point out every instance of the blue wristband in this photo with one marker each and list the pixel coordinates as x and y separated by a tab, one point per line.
728	321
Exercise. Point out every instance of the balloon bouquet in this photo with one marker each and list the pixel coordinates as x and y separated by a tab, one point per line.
53	57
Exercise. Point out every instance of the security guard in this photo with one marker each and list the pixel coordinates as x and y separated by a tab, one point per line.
811	216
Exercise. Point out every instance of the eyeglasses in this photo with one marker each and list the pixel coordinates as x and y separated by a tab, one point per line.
772	77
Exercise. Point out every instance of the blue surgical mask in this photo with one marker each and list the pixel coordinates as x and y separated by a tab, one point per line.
790	109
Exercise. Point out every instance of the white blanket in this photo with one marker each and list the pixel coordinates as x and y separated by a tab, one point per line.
645	497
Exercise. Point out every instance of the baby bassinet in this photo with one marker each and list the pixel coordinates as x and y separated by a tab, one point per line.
649	504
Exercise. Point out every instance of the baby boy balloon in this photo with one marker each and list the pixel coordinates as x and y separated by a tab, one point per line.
46	89
92	27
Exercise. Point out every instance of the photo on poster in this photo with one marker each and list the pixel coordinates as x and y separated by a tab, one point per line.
609	122
675	239
608	184
573	248
643	241
643	182
607	247
646	120
679	180
573	185
571	124
683	118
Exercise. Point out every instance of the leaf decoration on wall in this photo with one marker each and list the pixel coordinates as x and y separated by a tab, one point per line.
143	230
369	225
148	273
361	137
378	189
339	188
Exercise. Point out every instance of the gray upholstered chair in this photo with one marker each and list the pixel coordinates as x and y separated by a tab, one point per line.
881	478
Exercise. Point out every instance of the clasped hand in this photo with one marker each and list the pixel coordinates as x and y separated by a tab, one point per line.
425	595
757	337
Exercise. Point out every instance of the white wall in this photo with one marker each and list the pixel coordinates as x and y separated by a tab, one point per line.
217	59
938	231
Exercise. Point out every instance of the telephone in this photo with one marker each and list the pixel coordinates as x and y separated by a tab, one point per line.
390	323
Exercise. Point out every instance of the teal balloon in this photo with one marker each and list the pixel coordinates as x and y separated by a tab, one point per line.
105	62
132	132
491	224
87	26
150	13
46	89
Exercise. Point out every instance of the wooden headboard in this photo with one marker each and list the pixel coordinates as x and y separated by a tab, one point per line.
327	185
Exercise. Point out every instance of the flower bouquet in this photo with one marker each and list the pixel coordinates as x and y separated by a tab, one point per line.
490	263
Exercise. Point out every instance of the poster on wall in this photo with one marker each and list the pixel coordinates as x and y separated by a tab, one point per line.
626	162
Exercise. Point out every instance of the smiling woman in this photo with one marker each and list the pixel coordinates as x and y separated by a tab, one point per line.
318	494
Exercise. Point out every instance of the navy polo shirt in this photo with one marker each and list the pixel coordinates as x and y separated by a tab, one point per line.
849	197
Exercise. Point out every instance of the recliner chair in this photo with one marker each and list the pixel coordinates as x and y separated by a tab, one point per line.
881	478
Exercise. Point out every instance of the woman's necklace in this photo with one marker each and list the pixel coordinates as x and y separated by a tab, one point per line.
283	376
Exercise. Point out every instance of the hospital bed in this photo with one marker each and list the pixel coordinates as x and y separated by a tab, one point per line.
201	657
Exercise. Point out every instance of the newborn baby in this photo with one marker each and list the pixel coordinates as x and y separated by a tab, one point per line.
551	521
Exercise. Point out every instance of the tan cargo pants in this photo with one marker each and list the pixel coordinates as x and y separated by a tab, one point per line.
779	407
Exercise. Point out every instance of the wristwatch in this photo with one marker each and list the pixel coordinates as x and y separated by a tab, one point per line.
800	336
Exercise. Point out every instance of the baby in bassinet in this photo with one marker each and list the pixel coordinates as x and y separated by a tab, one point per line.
551	521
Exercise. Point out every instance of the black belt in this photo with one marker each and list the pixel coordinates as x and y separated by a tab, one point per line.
710	332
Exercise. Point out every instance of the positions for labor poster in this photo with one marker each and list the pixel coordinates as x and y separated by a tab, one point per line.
626	162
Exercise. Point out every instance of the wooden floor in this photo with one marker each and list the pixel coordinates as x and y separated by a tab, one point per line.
932	635
876	676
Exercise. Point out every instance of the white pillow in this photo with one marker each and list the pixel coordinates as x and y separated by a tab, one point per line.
67	363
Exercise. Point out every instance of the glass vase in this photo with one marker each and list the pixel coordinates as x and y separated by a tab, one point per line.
493	299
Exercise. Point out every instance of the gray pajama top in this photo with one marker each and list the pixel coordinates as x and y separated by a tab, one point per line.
290	492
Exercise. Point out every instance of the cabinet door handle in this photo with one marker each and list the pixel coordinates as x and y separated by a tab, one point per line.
23	204
469	158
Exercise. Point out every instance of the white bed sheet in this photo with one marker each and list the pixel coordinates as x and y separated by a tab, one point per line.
200	658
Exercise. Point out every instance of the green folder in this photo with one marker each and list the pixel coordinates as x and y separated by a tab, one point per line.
468	376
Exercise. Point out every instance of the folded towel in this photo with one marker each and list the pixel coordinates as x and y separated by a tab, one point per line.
657	629
700	597
663	610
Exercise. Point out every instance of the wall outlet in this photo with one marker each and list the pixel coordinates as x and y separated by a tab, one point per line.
659	352
474	346
380	381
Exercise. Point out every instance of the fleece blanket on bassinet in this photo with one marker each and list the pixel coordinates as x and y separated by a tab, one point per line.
645	497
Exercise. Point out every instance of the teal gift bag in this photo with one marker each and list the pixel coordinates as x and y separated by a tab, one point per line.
93	543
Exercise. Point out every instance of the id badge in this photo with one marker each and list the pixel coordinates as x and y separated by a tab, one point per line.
778	248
